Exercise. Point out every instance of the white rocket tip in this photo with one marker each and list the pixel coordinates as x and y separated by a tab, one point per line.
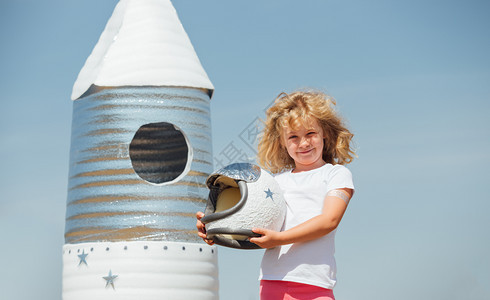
143	44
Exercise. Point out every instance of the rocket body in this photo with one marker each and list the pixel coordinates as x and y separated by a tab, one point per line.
140	155
115	192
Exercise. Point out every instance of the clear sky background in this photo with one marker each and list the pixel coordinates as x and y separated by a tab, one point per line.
411	77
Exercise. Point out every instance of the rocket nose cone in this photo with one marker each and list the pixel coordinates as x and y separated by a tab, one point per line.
143	44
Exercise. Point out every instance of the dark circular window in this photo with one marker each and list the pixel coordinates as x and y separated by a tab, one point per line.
159	152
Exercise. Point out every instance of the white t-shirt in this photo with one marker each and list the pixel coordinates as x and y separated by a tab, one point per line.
309	262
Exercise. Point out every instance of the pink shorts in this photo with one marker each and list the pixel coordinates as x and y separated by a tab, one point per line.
287	290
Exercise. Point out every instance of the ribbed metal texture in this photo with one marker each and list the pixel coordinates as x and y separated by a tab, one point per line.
115	196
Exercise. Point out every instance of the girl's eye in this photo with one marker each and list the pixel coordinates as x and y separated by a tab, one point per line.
292	137
311	133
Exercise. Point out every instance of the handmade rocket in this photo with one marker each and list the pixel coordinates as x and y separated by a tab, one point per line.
140	155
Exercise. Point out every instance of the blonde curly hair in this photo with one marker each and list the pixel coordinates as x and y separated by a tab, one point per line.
300	108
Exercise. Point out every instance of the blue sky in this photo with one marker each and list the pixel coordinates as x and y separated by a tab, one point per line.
412	79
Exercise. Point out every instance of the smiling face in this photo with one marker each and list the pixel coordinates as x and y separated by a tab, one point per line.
304	144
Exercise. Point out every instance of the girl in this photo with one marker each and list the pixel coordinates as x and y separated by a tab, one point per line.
305	142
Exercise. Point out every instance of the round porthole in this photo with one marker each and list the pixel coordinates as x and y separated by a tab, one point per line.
159	152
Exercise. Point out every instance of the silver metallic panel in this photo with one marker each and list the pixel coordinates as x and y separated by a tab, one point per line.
107	200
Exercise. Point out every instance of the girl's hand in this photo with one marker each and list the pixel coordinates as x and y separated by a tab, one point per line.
269	238
201	229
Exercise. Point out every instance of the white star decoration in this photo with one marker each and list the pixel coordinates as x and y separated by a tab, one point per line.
269	194
82	257
110	279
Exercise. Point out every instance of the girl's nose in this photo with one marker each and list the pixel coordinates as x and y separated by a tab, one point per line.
304	142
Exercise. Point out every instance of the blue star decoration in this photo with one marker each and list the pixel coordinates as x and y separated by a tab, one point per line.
269	193
83	257
110	279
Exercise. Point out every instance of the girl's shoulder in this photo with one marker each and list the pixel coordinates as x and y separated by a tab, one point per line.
338	169
333	171
338	176
326	171
331	176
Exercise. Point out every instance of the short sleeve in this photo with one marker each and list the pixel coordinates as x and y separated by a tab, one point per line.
339	177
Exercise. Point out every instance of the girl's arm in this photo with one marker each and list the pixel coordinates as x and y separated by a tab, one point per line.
333	210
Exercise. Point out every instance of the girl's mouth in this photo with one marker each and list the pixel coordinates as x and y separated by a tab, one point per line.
306	151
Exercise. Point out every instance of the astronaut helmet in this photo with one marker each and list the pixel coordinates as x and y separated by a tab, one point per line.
242	196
